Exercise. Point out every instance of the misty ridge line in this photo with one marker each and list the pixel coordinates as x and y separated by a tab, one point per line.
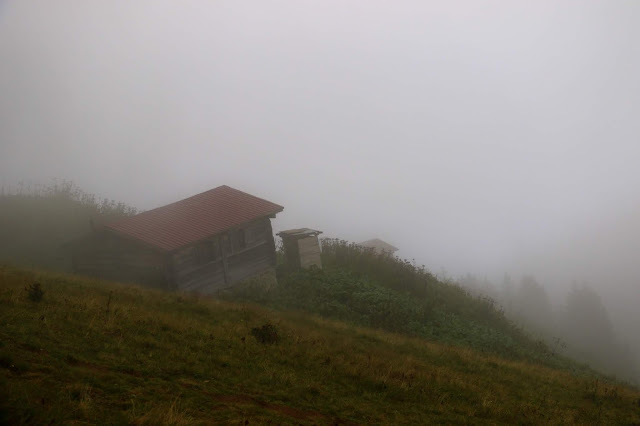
67	190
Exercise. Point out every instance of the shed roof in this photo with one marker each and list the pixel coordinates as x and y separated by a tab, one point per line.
378	245
299	233
195	218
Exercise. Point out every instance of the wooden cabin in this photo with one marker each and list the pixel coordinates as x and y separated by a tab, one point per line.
379	246
301	248
202	243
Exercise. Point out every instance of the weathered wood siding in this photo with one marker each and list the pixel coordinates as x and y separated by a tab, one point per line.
235	255
108	256
238	259
309	252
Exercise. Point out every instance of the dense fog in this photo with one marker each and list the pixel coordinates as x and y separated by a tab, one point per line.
495	142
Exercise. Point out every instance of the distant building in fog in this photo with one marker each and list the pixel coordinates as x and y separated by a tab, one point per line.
379	246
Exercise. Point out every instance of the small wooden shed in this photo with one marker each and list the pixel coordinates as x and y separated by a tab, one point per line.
301	247
202	243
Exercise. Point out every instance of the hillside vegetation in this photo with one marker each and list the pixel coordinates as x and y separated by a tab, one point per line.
88	351
37	220
359	286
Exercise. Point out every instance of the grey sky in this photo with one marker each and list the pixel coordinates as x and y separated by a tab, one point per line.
475	136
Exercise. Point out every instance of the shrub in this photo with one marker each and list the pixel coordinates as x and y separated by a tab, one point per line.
35	292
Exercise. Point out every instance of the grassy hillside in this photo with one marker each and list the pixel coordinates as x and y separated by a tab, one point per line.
99	352
379	291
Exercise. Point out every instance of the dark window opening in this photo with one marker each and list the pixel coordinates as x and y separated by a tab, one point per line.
241	241
215	247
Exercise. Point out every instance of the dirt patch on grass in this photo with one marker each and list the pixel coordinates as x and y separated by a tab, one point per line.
74	362
294	413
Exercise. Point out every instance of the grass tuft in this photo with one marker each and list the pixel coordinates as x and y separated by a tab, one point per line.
266	334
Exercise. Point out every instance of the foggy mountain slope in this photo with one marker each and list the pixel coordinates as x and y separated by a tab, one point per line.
86	351
463	132
480	136
580	327
605	257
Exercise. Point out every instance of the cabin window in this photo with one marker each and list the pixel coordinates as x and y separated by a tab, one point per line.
206	251
215	247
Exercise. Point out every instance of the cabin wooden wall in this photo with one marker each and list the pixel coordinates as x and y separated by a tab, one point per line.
106	255
109	256
235	262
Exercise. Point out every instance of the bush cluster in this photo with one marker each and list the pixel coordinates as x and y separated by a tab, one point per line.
35	292
266	334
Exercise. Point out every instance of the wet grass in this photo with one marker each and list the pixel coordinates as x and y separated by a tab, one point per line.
98	352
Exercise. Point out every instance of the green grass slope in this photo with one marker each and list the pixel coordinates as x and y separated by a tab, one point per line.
97	352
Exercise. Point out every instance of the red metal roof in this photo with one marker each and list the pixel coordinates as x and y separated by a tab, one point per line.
192	219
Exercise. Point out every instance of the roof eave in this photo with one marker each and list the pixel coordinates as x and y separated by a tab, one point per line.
174	249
